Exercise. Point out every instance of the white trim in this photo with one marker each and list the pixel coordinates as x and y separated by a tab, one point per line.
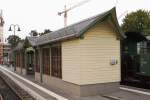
37	86
136	91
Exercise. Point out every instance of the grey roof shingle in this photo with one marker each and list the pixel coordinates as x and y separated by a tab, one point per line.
64	33
72	31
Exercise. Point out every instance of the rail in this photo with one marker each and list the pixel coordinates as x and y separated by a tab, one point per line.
1	98
13	91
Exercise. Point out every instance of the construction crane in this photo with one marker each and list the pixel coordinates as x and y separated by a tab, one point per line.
65	11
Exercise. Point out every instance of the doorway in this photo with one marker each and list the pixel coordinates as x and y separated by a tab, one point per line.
30	65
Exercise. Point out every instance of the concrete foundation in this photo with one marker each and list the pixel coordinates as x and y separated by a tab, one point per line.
77	90
18	70
97	89
24	72
37	77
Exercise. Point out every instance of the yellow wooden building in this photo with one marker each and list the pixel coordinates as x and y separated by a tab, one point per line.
81	59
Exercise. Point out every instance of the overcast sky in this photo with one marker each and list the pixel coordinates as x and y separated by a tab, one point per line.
43	14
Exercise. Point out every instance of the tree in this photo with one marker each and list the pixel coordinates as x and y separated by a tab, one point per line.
13	40
33	33
138	21
45	32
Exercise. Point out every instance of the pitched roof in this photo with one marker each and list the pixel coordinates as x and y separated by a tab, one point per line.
32	40
19	45
77	29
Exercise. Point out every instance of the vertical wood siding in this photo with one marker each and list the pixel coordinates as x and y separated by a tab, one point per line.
46	61
56	69
22	60
87	61
37	64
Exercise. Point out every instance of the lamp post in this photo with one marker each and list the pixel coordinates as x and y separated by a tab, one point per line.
14	29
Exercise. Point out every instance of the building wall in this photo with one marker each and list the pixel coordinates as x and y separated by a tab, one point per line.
87	60
37	77
1	44
6	50
71	61
18	70
24	72
1	53
1	34
60	86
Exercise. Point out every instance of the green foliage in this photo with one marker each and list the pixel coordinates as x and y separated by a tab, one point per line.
13	40
45	32
33	33
138	21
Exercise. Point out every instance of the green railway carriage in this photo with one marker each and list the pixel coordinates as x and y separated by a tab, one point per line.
132	54
135	57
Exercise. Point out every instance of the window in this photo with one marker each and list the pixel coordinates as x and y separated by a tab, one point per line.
56	69
143	48
46	61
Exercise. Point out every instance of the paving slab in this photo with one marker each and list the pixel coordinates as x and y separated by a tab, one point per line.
94	98
127	95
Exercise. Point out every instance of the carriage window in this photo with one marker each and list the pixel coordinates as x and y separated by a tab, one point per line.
138	48
143	48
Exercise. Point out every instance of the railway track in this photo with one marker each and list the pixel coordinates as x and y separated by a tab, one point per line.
6	93
11	91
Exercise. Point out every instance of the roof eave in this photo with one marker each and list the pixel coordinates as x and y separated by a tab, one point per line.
73	36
